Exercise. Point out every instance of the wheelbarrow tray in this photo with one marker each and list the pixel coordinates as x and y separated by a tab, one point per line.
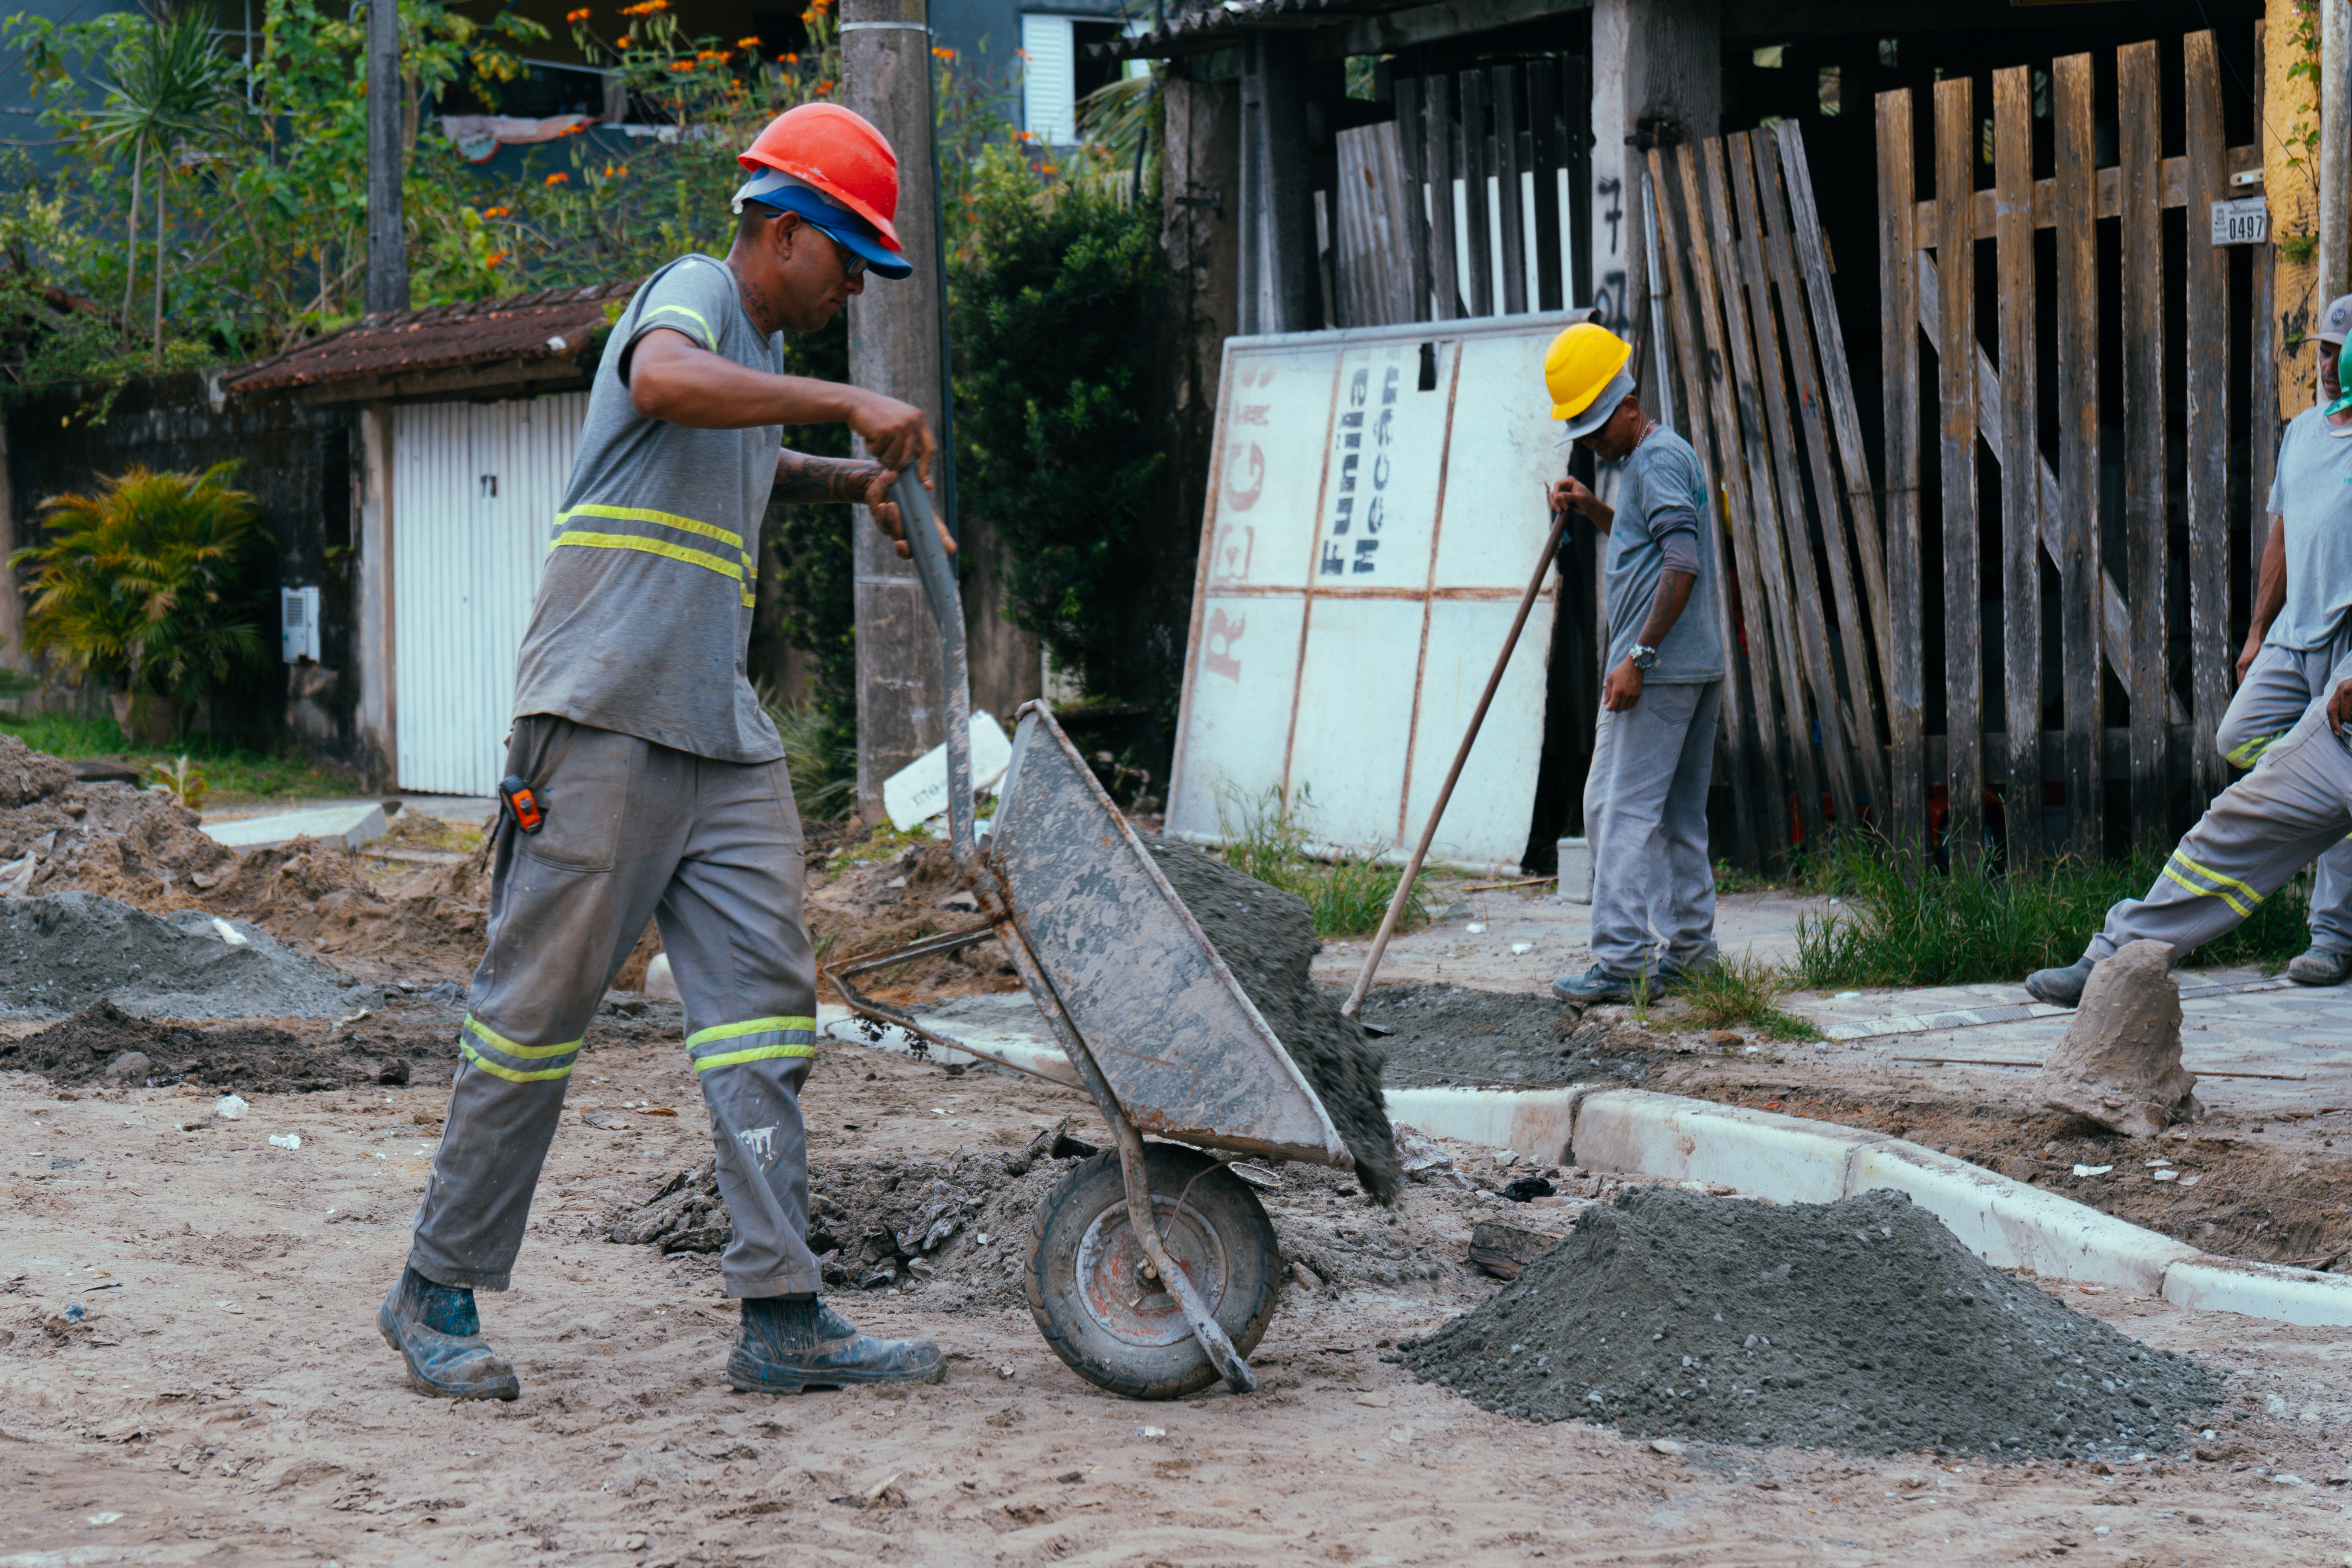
1174	1037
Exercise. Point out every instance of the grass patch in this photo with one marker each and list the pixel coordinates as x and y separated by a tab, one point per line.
1734	990
233	774
1347	897
1987	925
820	758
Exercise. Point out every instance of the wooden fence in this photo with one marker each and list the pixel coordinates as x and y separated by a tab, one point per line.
1996	459
1437	211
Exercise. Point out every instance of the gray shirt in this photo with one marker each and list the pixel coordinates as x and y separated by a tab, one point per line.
2314	493
1661	486
644	618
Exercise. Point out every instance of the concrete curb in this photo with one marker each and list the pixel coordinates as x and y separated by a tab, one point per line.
1792	1159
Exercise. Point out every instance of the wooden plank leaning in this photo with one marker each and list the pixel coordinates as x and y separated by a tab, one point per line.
1765	540
2081	580
2020	497
1733	473
1848	783
2205	436
1837	377
1861	707
2262	354
1956	164
1412	149
1543	127
1763	831
1437	169
1899	312
2139	143
1505	81
1474	161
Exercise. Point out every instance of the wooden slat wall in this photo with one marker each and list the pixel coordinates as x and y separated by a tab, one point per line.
1375	276
2171	654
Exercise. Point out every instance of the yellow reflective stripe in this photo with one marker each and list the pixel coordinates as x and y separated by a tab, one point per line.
2247	755
647	514
710	338
514	1075
757	1053
2219	880
2243	912
507	1047
749	1026
702	558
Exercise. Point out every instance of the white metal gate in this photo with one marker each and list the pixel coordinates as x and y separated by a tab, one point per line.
474	495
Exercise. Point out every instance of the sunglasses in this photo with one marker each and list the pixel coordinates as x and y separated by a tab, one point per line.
853	266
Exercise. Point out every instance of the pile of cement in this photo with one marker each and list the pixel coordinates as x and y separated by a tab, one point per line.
103	1042
61	951
1442	1035
1266	938
1863	1324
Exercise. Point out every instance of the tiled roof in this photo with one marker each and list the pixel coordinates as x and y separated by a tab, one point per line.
550	324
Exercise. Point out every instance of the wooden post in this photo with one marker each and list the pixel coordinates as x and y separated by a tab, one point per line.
1759	812
1657	67
1410	145
2290	185
1767	561
2262	383
894	348
2334	149
2020	495
387	252
1543	127
2139	144
2081	576
1278	255
1437	165
1899	335
1476	166
2206	435
1956	259
1508	202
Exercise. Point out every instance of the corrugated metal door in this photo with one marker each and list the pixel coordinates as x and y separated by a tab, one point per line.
474	495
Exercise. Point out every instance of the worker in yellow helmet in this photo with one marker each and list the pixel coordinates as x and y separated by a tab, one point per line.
1653	749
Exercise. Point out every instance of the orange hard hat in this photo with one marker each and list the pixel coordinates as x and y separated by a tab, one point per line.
840	152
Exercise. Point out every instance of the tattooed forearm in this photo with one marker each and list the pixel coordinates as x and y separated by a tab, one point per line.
801	477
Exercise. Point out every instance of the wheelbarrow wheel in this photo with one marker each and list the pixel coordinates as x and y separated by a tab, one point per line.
1120	1331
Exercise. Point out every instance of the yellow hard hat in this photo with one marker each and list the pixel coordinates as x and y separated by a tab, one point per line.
1581	364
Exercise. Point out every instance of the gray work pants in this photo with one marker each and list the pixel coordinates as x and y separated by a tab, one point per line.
711	852
1645	814
2279	685
2258	833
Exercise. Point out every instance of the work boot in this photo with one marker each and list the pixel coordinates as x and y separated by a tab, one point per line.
2320	967
437	1332
2060	987
788	1344
1595	984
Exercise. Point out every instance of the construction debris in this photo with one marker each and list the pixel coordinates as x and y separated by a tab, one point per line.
2119	1065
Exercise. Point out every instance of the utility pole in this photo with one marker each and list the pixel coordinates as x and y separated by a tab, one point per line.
2334	152
894	349
387	254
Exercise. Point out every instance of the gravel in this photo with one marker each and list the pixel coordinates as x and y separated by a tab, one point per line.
61	951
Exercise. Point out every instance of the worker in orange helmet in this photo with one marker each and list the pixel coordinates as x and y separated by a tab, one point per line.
646	782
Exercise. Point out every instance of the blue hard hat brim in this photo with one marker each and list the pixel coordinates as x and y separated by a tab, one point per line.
837	222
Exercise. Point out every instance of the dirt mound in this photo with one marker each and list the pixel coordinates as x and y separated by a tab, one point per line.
319	894
249	1058
138	845
887	904
1446	1034
27	775
1267	937
1862	1324
61	951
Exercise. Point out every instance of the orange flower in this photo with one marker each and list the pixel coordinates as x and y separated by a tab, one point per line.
943	53
576	17
791	60
747	43
681	65
496	211
626	42
558	179
644	8
495	257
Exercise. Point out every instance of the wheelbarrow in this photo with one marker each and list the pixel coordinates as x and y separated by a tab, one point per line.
1152	1269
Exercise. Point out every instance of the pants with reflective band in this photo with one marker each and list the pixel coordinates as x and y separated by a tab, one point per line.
1645	813
2293	807
711	852
2279	685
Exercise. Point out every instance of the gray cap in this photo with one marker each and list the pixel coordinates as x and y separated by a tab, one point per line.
1597	412
2335	322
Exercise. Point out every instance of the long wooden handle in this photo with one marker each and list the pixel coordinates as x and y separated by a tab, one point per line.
1355	1003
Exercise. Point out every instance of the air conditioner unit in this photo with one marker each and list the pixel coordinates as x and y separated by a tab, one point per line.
297	624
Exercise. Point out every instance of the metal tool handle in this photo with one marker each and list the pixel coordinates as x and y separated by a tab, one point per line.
938	574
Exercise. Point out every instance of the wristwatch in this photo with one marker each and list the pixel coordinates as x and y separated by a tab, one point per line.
1642	658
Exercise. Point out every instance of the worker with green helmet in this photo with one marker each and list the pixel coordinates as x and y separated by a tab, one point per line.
2291	809
1653	743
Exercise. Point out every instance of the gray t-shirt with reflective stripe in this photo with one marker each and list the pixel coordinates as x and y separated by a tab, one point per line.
644	617
1662	488
2314	492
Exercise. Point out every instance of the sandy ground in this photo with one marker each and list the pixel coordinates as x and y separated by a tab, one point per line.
228	1400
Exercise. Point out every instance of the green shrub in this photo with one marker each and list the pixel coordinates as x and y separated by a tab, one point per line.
823	767
1734	991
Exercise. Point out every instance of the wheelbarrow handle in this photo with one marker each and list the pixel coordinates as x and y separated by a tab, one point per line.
939	579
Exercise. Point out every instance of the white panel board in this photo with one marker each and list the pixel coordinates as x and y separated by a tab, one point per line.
475	491
1049	79
1375	514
